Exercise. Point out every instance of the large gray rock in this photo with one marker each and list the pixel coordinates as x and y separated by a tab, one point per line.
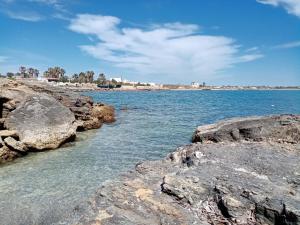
42	122
285	128
88	115
42	116
244	182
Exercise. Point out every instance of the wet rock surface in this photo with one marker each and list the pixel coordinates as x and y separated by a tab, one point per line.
35	116
228	181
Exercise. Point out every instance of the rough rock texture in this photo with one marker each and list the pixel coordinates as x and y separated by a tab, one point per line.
36	116
88	115
42	122
15	145
284	128
236	182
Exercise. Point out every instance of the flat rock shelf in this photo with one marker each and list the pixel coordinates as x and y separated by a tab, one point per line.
241	171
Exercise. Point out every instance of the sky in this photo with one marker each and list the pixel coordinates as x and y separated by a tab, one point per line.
220	42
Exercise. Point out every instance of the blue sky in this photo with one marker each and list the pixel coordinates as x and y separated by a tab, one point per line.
240	42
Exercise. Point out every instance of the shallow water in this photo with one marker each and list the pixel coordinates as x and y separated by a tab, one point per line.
41	188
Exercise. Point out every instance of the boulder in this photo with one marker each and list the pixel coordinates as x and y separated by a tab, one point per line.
284	128
42	122
105	113
87	114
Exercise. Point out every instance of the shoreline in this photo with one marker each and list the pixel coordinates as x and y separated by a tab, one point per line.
151	90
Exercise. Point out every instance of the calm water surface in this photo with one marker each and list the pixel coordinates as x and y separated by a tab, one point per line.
40	188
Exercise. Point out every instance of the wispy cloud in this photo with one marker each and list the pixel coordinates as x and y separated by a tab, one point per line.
23	10
291	6
3	59
294	44
166	49
26	16
253	49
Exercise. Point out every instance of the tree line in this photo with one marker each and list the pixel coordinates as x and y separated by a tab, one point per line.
59	74
24	73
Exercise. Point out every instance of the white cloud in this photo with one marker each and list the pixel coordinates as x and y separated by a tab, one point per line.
292	6
26	16
294	44
174	49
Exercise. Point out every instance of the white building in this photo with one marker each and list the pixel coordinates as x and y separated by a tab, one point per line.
118	79
195	84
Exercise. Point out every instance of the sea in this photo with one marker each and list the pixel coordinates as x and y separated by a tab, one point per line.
44	187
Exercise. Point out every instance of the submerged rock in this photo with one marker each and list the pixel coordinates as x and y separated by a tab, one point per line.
227	182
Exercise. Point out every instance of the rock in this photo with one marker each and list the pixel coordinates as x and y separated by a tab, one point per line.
42	122
10	105
105	113
44	117
8	133
227	182
7	155
2	121
283	128
15	145
88	114
1	142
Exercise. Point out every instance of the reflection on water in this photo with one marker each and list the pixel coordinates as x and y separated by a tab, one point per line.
40	188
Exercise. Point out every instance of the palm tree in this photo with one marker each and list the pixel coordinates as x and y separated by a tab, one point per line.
54	73
36	73
30	72
75	77
101	79
22	70
82	77
90	76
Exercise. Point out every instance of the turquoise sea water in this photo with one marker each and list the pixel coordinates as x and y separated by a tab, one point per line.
41	188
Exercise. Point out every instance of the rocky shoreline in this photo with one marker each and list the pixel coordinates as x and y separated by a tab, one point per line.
37	117
241	171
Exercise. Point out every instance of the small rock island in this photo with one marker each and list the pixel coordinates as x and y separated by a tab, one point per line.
37	117
240	171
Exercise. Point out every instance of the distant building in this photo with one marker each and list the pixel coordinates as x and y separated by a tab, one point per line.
118	79
195	84
152	84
